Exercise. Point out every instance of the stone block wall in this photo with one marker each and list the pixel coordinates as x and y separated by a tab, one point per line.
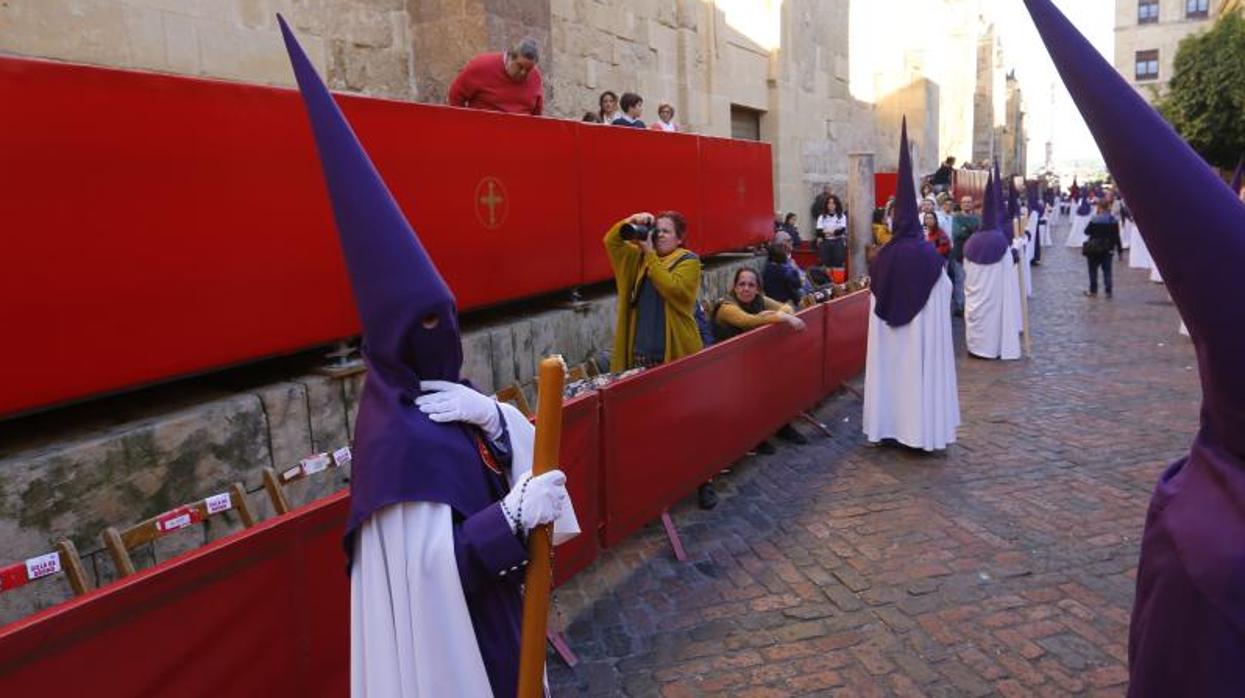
358	45
145	455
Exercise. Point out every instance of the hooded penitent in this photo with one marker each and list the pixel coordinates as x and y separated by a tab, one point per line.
988	245
1075	191
1013	199
410	329
907	267
1083	209
1188	630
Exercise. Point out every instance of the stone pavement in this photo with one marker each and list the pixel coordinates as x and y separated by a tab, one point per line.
1003	567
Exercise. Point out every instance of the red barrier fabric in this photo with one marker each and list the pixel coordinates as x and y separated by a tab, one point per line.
738	195
670	428
261	612
627	170
161	226
884	185
580	459
847	333
806	257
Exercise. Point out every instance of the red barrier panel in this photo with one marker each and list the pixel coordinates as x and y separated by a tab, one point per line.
580	459
884	185
262	612
162	226
847	334
738	202
627	170
668	429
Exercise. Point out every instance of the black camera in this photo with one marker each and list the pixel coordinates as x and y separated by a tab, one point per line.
636	231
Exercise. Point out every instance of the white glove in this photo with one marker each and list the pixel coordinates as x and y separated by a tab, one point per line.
444	401
533	501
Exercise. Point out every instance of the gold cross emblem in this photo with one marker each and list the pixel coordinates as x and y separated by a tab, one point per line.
491	202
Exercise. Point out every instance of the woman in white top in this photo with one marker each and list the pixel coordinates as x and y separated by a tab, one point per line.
832	228
665	119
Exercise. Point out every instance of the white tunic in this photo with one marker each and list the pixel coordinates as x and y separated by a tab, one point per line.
410	630
1139	254
1076	234
1025	247
992	319
910	386
1155	276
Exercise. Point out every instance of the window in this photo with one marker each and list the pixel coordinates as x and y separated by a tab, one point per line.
1147	65
1196	9
745	123
1147	11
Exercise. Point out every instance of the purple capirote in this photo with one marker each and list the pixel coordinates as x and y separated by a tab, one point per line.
410	333
1187	636
906	268
988	245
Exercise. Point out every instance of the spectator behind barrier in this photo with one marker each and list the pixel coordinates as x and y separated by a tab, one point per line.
608	107
632	108
665	119
591	118
507	82
657	281
788	226
745	308
782	279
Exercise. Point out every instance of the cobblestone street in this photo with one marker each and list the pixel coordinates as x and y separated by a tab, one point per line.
1004	566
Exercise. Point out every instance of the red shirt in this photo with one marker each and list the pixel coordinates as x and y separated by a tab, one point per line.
484	84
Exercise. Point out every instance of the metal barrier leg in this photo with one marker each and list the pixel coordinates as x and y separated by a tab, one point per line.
809	418
853	391
559	645
673	534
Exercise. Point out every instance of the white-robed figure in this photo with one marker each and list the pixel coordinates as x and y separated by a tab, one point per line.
1020	242
1138	254
441	492
910	386
1080	221
992	312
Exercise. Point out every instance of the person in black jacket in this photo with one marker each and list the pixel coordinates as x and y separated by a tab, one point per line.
1103	232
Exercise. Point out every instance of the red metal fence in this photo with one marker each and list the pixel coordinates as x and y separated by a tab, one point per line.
265	611
158	226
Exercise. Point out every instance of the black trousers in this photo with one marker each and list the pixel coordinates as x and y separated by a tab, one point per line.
1095	261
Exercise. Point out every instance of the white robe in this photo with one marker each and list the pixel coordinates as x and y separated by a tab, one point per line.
910	385
1076	233
992	316
410	630
1138	254
1155	276
1025	246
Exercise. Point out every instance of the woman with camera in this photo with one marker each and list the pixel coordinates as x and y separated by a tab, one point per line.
658	280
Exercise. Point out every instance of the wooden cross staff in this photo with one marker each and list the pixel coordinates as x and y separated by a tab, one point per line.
539	581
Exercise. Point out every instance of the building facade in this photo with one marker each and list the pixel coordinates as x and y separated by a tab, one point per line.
1148	34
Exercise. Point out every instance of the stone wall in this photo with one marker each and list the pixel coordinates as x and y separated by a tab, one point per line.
358	45
70	474
788	61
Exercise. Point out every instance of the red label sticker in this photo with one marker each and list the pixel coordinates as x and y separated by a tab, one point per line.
178	518
13	576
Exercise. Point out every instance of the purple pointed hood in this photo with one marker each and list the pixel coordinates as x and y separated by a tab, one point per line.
1190	595
1031	192
1235	186
1084	208
1013	199
988	245
410	327
907	267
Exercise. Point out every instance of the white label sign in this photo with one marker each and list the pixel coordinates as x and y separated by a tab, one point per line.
176	522
342	456
218	503
316	463
43	565
292	473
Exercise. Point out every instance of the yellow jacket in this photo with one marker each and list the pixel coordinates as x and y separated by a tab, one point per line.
729	313
676	284
881	234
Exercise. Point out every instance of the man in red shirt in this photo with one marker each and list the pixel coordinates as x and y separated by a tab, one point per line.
508	82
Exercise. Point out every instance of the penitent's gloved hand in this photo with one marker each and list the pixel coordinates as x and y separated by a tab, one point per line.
445	401
533	501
